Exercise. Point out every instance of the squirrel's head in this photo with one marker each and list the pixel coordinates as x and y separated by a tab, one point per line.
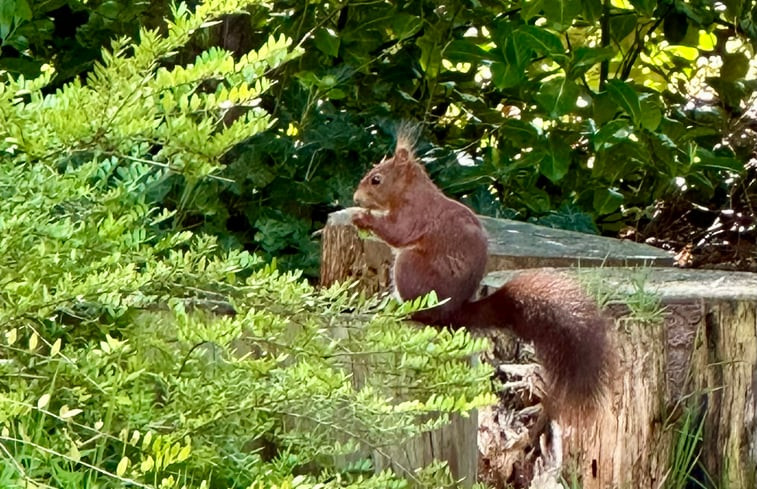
389	180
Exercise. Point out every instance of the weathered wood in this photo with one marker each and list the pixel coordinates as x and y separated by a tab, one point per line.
345	255
512	245
516	245
705	353
455	443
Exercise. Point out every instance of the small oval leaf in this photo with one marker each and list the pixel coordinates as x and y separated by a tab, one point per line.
122	466
43	401
56	347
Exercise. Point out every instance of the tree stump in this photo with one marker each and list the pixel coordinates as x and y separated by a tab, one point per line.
512	245
698	363
701	359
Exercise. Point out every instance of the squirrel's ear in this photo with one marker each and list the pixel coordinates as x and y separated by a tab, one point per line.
402	156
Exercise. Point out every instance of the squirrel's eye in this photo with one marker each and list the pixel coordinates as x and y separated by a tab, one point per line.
376	179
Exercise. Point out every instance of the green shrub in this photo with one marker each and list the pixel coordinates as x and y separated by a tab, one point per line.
138	353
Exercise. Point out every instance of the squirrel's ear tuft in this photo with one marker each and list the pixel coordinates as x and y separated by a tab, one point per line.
402	156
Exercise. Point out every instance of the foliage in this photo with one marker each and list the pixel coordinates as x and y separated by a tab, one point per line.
67	33
578	114
136	352
686	450
581	115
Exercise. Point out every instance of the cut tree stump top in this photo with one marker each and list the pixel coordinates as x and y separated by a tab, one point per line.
670	284
515	244
512	245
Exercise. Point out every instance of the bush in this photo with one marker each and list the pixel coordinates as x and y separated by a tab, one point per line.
138	353
583	115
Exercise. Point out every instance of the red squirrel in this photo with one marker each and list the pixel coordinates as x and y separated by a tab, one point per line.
440	245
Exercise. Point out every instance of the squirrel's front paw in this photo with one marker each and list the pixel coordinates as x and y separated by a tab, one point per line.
344	217
361	217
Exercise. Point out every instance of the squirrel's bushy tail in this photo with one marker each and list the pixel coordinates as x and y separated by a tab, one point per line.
568	330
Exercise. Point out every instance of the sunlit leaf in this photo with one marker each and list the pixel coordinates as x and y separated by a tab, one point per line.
558	96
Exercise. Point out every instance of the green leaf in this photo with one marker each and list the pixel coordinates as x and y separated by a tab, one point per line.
540	41
604	108
530	9
645	7
607	200
327	42
622	25
710	161
23	10
732	94
558	96
122	466
674	27
7	17
583	58
651	115
591	9
519	133
556	161
405	25
505	75
620	160
431	54
627	98
464	50
561	12
537	200
735	66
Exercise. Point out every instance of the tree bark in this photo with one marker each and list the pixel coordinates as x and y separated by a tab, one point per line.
700	361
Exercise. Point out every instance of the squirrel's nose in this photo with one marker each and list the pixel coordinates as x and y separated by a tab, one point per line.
358	198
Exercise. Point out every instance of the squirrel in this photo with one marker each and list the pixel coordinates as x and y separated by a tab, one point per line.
440	245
